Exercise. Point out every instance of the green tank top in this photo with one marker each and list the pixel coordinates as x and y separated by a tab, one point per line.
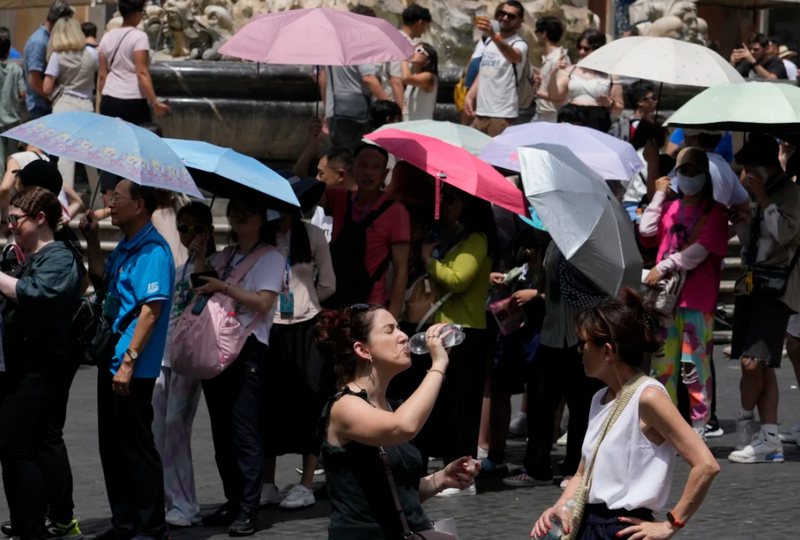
361	499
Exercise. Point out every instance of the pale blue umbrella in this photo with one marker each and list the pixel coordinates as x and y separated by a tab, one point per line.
228	173
110	144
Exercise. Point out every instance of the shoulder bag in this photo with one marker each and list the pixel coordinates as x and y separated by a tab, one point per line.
431	534
581	497
665	294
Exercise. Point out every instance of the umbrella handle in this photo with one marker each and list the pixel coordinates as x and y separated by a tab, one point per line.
94	195
437	198
658	100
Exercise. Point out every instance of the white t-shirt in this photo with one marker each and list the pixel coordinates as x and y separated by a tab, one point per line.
546	110
265	275
630	470
82	88
323	221
791	69
497	85
24	158
121	81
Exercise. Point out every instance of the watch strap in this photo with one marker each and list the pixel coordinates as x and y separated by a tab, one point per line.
674	521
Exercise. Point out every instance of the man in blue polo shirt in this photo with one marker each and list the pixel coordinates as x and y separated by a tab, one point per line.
140	274
35	59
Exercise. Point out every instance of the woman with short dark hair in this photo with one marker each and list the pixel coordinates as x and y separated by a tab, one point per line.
125	88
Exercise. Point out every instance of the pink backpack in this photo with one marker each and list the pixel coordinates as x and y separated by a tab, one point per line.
204	345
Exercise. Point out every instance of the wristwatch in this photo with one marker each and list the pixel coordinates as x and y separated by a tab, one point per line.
674	522
132	354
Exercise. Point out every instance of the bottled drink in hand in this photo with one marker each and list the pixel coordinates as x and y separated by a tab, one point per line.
453	335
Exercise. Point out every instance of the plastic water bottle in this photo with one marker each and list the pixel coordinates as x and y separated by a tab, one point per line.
556	531
454	335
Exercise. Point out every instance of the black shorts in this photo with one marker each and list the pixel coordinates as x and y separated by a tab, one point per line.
759	328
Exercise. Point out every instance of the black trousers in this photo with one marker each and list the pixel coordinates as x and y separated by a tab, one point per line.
131	465
557	374
453	427
135	111
25	414
600	523
234	400
58	471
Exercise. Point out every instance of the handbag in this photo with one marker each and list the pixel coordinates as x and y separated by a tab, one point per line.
769	280
431	534
666	293
422	301
581	497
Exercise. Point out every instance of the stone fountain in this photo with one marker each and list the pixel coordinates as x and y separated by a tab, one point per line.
264	110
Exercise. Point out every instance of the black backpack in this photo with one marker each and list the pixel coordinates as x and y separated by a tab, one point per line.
353	282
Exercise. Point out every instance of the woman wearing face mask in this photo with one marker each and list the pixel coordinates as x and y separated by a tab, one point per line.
421	75
692	237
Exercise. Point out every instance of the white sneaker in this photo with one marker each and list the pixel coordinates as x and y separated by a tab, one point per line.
791	435
298	497
746	429
319	471
562	441
270	495
455	492
518	425
176	518
760	450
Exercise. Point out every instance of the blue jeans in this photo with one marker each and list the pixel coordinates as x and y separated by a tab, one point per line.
234	408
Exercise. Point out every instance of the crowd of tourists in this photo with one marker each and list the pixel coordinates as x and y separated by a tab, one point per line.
325	299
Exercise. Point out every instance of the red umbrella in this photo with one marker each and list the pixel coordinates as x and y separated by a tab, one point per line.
453	165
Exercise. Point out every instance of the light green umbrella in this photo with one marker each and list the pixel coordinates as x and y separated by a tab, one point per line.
750	106
470	139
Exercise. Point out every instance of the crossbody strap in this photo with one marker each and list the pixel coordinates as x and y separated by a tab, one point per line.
395	495
625	395
119	44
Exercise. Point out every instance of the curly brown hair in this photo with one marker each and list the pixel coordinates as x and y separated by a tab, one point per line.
35	199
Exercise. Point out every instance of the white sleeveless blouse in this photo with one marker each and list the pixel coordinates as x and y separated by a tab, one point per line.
631	471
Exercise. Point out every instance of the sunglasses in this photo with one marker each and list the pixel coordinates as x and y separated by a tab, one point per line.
507	15
13	219
184	228
355	309
421	50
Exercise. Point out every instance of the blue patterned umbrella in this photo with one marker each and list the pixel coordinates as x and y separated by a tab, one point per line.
109	144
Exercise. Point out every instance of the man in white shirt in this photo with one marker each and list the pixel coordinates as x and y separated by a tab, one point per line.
786	54
493	98
548	32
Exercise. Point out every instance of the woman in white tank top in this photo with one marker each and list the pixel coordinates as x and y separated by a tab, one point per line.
631	469
420	75
596	95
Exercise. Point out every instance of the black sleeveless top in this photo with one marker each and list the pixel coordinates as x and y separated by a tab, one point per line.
361	499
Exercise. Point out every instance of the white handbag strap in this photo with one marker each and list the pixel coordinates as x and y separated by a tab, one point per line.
432	310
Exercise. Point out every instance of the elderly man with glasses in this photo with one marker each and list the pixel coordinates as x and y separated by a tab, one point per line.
493	98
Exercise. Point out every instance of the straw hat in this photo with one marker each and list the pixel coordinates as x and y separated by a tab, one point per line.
786	52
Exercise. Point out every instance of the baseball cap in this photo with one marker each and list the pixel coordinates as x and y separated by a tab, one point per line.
759	149
694	155
42	173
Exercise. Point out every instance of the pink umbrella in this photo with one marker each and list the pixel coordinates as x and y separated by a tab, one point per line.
318	36
454	165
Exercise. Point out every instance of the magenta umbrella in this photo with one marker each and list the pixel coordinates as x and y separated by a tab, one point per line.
453	165
318	36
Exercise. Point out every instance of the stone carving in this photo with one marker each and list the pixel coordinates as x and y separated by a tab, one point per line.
669	18
195	29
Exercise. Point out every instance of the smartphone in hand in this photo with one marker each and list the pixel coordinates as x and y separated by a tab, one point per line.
197	282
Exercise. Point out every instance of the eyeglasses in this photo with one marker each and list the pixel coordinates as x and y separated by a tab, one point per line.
507	15
421	50
184	228
14	219
116	197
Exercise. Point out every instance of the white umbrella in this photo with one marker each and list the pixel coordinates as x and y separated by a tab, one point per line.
662	59
582	216
612	158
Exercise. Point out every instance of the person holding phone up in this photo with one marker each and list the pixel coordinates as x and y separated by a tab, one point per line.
753	61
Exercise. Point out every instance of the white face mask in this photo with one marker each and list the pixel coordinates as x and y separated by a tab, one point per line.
691	185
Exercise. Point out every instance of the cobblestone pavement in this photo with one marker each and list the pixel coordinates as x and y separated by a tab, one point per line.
746	501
